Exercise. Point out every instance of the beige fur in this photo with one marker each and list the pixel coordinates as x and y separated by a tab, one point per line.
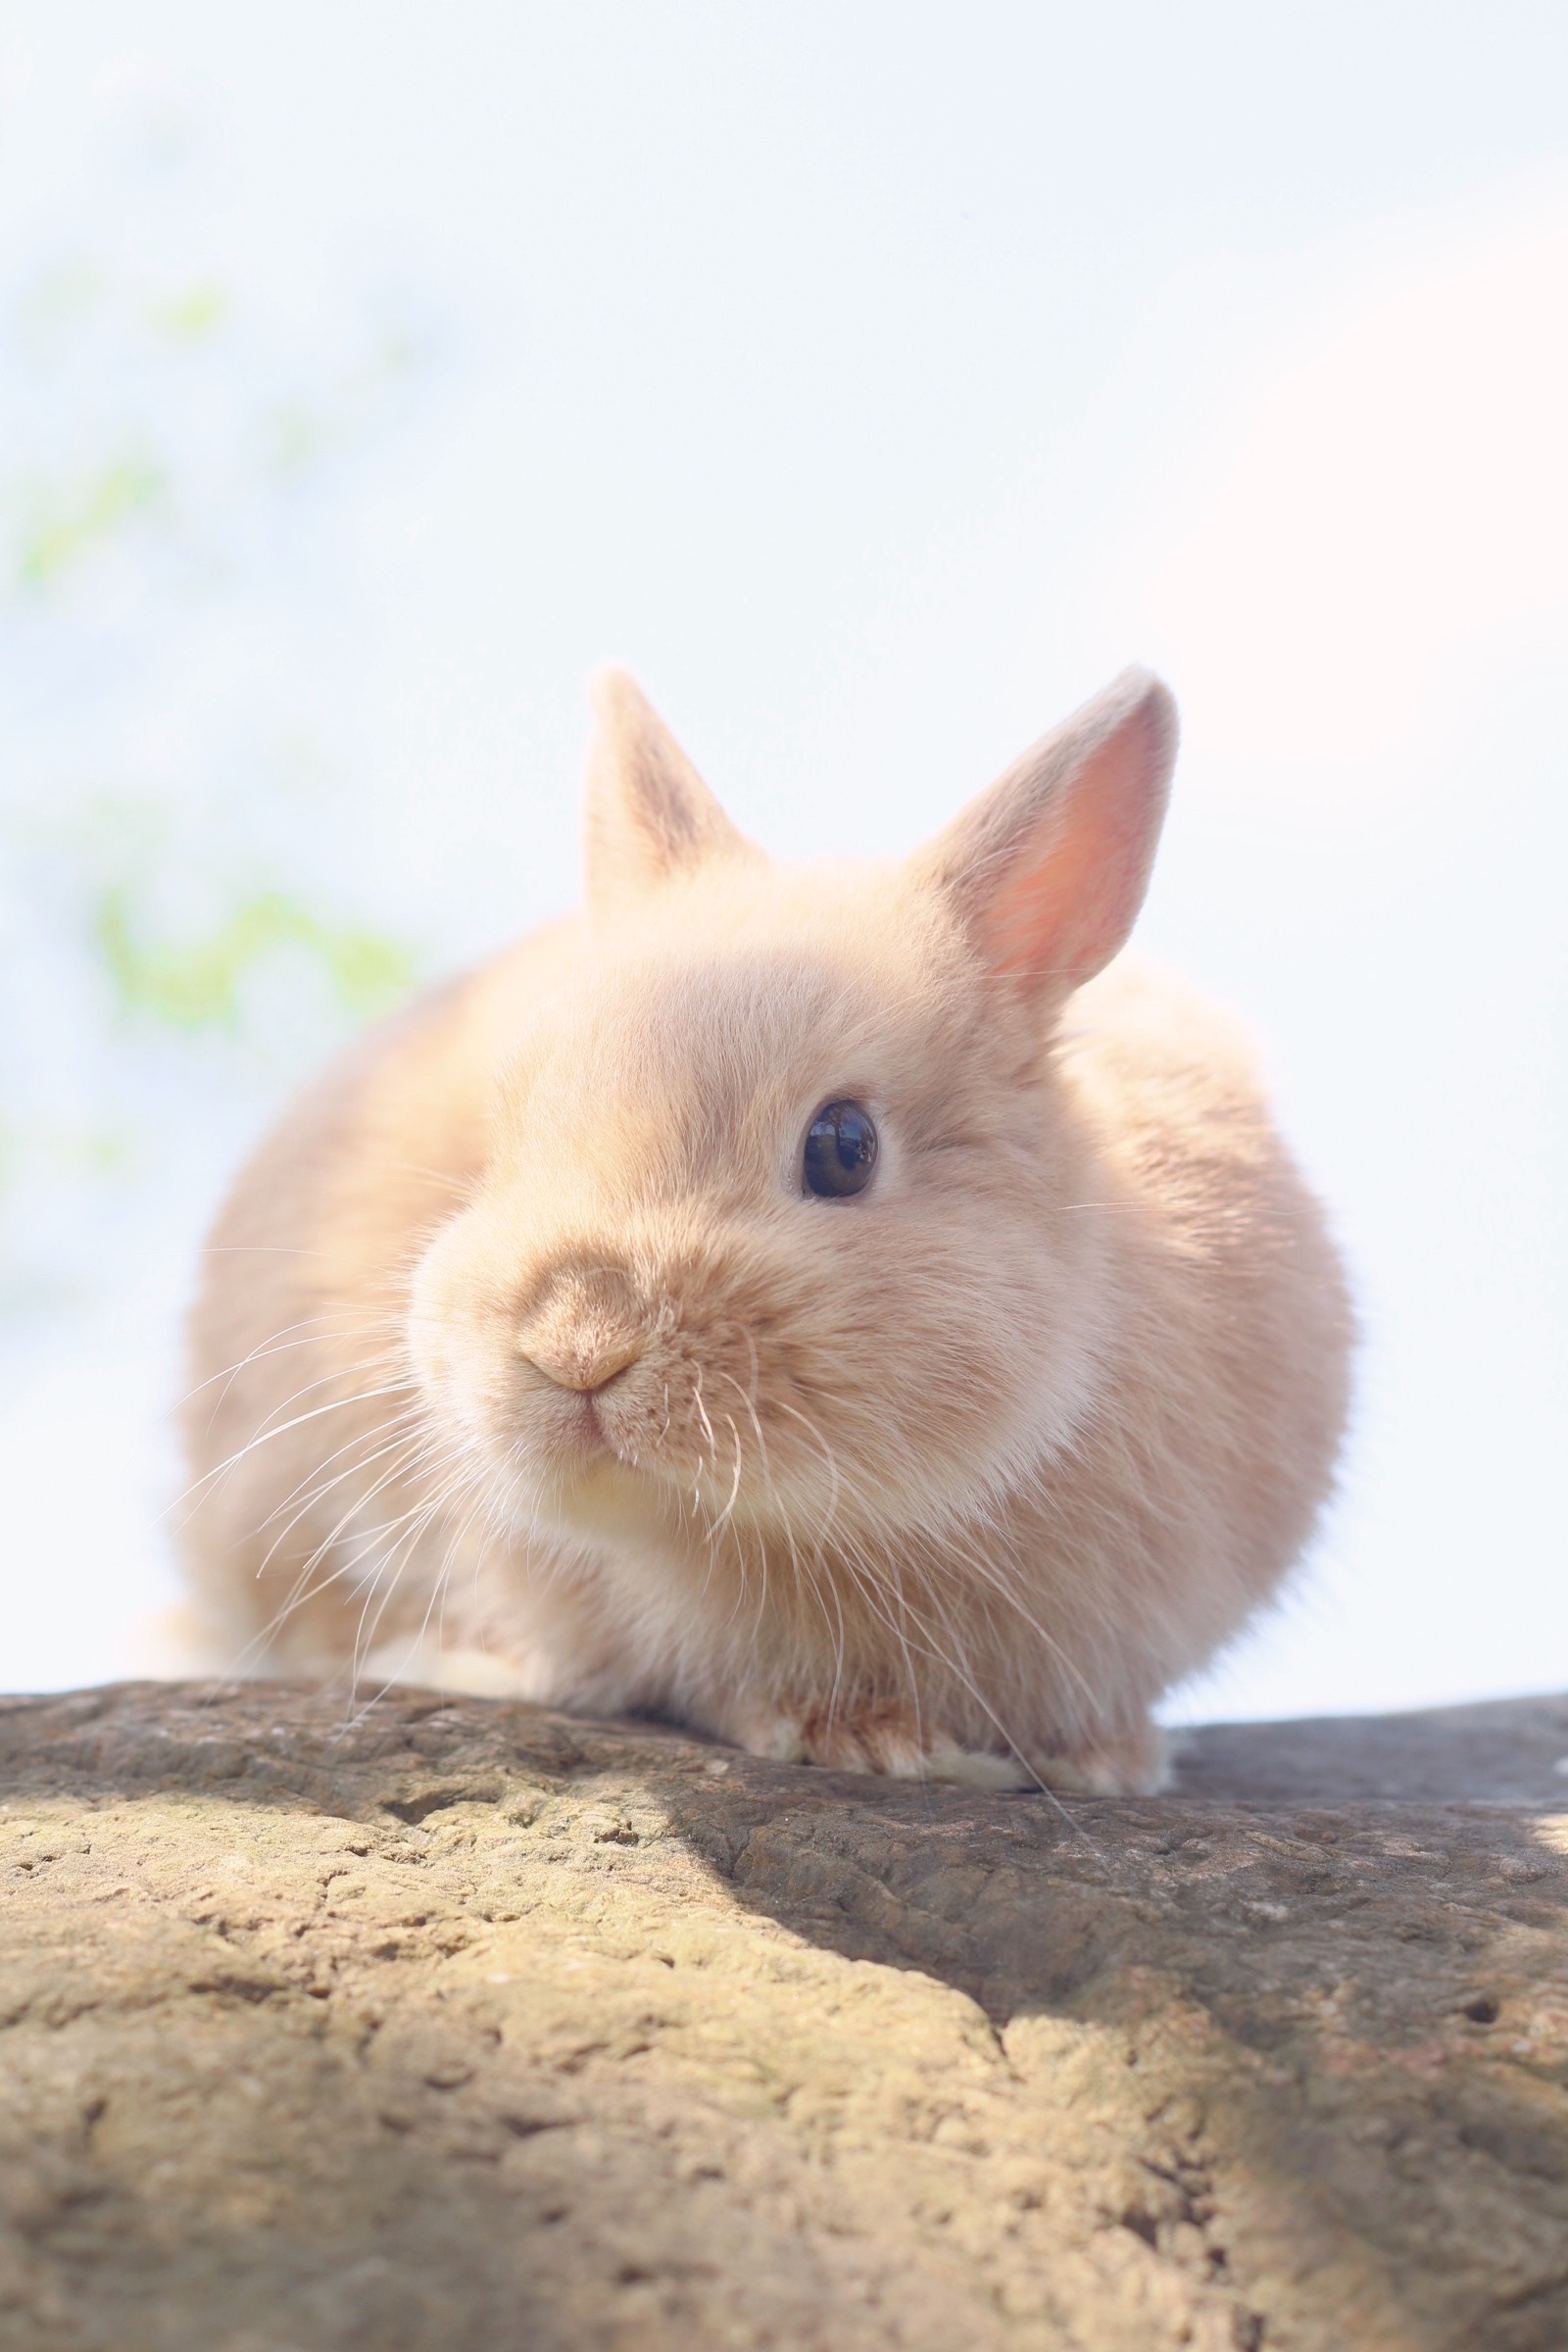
520	1342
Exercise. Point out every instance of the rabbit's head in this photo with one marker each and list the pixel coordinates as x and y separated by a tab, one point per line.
778	1230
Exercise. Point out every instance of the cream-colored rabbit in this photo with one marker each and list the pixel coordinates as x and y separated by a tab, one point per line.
807	1303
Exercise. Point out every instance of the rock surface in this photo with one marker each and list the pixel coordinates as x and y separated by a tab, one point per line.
436	2025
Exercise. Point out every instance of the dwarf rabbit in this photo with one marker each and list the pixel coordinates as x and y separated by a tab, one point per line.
808	1304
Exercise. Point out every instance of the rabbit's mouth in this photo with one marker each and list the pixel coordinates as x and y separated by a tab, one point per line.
575	1438
586	1448
630	1461
583	1432
593	1485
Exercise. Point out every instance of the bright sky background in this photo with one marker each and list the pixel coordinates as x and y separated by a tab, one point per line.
876	381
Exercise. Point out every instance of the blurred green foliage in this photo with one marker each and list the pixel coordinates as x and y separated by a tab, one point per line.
191	314
178	906
196	984
65	522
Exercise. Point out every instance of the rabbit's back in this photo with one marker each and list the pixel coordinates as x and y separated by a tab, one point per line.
1210	1449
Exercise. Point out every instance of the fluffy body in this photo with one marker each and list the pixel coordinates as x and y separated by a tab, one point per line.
520	1339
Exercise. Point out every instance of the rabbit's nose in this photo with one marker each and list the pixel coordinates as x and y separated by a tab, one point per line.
584	1333
584	1361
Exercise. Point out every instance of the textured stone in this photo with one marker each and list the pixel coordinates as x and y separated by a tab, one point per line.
428	2025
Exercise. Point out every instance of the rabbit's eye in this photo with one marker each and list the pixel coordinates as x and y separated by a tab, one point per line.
840	1150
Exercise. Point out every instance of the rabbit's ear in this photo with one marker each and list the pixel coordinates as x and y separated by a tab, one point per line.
1047	869
649	815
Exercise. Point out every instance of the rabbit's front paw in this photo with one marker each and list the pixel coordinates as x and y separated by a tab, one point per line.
1136	1765
886	1737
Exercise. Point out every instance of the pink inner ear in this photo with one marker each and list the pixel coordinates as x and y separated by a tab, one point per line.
1073	885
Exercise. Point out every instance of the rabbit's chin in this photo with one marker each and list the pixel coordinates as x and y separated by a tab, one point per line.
573	1479
583	1487
603	1497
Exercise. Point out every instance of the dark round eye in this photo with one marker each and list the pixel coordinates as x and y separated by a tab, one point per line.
840	1150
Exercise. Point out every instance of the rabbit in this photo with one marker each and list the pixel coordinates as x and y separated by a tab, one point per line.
850	1310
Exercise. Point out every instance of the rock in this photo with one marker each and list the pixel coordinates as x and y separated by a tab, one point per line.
428	2026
